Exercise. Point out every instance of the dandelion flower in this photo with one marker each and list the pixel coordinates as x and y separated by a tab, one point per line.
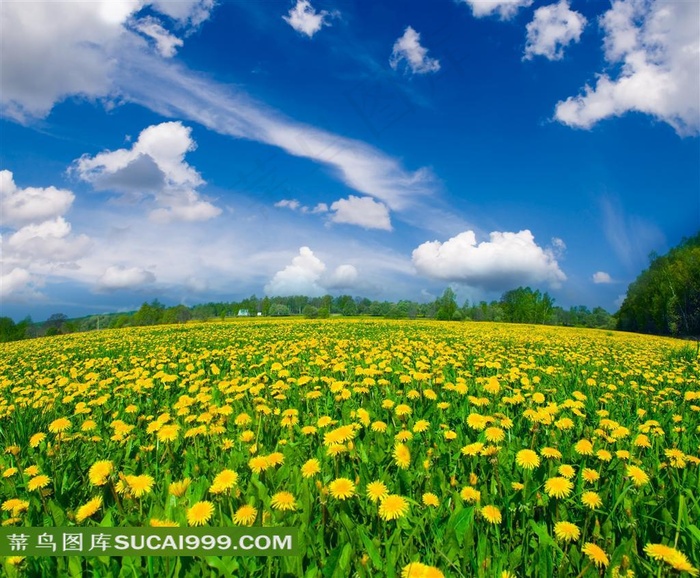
527	459
59	425
31	471
637	475
157	523
168	433
567	471
99	472
584	447
140	485
470	495
430	499
393	507
419	570
224	480
310	468
283	501
550	453
590	475
558	487
178	489
677	560
566	531
341	489
89	509
377	491
595	554
491	514
36	439
200	513
38	482
258	464
591	500
402	456
245	515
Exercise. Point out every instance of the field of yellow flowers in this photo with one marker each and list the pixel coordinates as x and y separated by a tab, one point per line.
398	449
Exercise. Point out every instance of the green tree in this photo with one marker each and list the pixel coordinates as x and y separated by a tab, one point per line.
446	305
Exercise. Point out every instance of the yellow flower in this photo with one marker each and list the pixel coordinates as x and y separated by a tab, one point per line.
157	523
89	509
595	554
472	449
491	514
591	500
566	531
178	489
637	475
245	515
168	433
36	439
100	471
470	495
379	427
527	459
677	560
31	471
200	513
224	480
590	475
15	506
642	441
393	507
283	501
421	426
377	491
341	489
258	464
310	468
558	487
603	455
9	472
550	453
59	425
567	471
430	499
402	456
419	570
584	447
140	485
38	482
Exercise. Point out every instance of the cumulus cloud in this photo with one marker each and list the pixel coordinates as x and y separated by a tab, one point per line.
361	211
32	204
306	275
344	277
38	236
601	277
154	165
504	262
505	9
657	48
300	278
295	205
115	278
552	29
166	43
49	52
304	18
407	49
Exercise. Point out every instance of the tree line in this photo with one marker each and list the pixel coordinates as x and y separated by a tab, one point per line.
521	305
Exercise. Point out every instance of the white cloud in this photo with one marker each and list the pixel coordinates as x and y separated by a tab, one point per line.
295	205
304	18
307	276
505	9
657	45
47	241
15	283
361	211
409	50
32	204
116	277
601	277
52	50
552	29
344	277
166	43
504	262
155	164
300	278
292	204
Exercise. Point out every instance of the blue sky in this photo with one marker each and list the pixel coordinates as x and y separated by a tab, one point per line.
196	150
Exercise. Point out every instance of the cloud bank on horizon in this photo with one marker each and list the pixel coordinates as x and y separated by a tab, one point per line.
375	200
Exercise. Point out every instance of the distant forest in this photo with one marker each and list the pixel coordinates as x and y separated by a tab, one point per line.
664	300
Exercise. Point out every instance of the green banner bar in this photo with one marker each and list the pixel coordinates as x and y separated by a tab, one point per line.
73	541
